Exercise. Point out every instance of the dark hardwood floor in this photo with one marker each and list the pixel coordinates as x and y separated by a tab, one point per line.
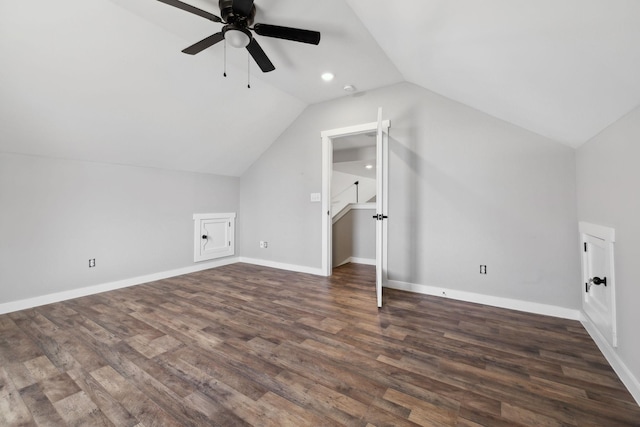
246	345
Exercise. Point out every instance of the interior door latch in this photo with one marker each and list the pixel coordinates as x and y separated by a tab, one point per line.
380	217
598	281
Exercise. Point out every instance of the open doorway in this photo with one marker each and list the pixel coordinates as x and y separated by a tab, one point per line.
353	197
381	131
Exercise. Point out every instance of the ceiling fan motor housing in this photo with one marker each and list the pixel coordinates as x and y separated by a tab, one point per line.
232	17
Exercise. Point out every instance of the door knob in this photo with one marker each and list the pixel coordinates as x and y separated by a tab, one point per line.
598	281
204	236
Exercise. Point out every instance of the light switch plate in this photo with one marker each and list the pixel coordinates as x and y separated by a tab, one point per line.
315	197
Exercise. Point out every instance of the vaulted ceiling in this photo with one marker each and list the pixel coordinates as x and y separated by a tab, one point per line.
105	80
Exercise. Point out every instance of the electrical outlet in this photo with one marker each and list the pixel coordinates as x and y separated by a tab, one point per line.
483	269
92	262
263	244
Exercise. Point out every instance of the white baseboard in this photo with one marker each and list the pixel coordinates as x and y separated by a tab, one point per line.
346	261
96	289
625	375
283	266
354	260
512	304
366	261
105	287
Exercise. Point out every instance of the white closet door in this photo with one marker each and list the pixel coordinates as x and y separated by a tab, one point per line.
214	236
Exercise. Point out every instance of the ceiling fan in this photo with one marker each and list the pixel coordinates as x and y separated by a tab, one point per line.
237	17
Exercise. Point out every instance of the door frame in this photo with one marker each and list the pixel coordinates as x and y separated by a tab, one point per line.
327	169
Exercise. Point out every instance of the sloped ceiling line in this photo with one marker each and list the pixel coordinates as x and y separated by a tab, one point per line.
106	81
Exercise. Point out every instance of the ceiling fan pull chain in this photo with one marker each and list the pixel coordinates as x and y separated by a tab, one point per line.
225	58
248	71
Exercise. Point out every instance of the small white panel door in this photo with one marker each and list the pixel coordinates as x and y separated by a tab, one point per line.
598	302
214	236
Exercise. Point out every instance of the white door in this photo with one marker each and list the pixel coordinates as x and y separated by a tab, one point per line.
598	294
381	208
215	236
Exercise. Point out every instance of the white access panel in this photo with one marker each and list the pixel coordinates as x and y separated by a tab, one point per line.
598	279
214	236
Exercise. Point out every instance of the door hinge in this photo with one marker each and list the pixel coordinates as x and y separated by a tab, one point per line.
229	242
586	287
585	246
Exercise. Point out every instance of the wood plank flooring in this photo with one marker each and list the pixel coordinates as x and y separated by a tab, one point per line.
243	345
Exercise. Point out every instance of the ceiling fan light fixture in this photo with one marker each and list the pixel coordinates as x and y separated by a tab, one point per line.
327	77
237	37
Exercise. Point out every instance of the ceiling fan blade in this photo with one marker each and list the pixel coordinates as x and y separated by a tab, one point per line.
242	7
259	56
287	33
203	44
192	9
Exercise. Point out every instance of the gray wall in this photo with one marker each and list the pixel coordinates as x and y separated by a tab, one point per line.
354	236
364	234
56	214
465	189
342	243
608	194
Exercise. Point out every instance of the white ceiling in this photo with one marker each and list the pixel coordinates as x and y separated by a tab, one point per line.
105	80
351	155
564	69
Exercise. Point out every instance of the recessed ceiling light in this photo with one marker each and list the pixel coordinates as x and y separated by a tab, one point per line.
369	166
327	77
